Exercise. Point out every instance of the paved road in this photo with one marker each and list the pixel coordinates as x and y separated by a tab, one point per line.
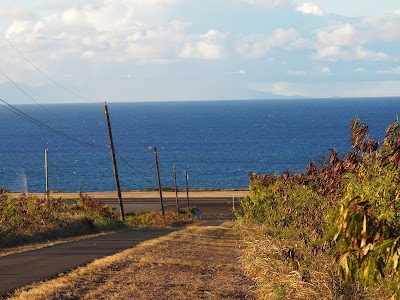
24	268
206	205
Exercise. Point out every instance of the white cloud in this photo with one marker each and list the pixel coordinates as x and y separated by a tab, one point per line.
297	73
386	27
359	70
310	8
88	54
280	88
331	40
269	4
91	38
329	52
16	12
240	72
205	46
326	70
369	55
331	89
129	30
337	35
395	70
258	45
153	45
355	8
91	31
345	42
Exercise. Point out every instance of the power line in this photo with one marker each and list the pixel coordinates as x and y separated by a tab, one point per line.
35	101
18	87
20	113
130	165
44	74
30	119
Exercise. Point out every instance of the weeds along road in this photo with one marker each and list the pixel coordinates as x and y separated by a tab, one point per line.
21	269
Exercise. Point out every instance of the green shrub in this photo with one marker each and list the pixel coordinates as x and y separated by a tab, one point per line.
92	208
191	210
342	213
26	219
156	219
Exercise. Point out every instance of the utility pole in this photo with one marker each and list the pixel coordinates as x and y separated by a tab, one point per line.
176	191
121	205
158	179
46	168
187	188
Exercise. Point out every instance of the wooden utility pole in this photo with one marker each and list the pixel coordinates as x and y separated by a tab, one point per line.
121	205
187	188
46	168
176	191
158	179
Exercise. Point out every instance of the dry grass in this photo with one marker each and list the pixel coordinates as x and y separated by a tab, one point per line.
278	277
193	263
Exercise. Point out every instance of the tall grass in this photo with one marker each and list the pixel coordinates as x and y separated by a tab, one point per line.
27	219
332	232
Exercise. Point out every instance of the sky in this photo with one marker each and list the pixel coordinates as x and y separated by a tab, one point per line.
154	50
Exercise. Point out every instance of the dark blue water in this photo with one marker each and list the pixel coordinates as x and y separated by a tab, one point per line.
218	142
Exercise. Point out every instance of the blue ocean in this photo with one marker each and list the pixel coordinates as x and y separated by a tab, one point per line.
218	142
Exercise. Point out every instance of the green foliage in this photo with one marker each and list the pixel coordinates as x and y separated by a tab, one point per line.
26	219
191	210
282	206
344	208
30	214
92	209
156	219
367	224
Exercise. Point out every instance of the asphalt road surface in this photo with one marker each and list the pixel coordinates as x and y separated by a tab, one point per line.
21	269
222	206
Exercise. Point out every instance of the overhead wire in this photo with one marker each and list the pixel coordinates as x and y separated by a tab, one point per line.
44	74
18	87
131	166
25	116
59	117
41	124
20	113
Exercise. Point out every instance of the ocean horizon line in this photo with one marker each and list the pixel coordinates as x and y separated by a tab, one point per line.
283	98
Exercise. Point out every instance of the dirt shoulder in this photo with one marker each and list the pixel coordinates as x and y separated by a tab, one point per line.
198	262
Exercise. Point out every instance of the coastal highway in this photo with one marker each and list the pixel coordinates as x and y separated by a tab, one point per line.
206	205
139	201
